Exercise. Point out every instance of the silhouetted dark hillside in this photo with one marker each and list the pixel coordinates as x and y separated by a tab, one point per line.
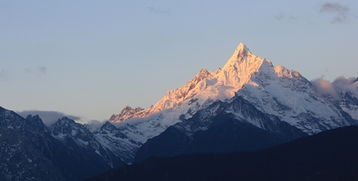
330	155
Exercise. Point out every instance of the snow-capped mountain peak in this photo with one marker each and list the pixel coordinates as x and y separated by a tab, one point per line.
241	66
222	84
202	90
272	89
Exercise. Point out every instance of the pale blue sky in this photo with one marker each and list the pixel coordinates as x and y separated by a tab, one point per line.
90	58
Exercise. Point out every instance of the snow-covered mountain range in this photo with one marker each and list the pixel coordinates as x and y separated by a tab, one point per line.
273	90
246	105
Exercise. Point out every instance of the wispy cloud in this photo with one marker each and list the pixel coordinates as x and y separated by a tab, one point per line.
338	86
341	13
324	87
40	70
